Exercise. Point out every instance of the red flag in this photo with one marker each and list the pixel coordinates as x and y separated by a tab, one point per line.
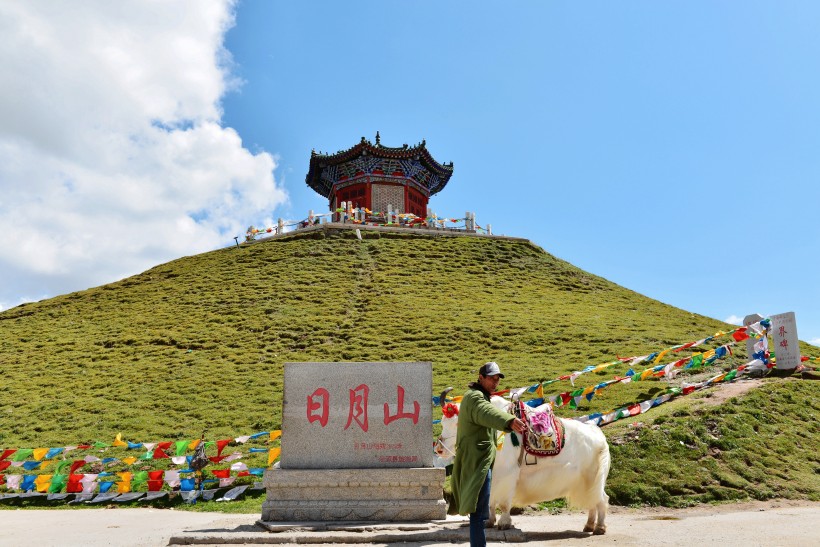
4	465
159	454
243	473
74	485
685	346
740	334
634	410
221	473
216	459
84	447
155	480
220	446
76	465
7	453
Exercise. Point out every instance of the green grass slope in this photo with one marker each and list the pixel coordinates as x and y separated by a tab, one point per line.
199	344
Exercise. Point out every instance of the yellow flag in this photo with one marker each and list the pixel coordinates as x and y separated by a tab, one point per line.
119	442
275	435
125	482
46	463
645	374
129	460
660	356
539	391
193	444
42	482
273	453
39	453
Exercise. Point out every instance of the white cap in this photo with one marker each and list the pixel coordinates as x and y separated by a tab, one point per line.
490	369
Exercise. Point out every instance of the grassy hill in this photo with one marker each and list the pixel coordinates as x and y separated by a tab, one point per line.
199	344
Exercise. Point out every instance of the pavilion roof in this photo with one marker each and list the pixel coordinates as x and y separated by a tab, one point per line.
365	157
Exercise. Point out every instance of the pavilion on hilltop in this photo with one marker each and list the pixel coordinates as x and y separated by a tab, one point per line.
374	176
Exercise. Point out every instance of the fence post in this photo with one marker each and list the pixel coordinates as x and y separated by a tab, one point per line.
280	226
489	229
430	222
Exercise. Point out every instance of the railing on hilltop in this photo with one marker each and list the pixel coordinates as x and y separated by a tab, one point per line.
365	217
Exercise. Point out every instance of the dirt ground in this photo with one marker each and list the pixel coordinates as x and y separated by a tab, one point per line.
732	389
782	523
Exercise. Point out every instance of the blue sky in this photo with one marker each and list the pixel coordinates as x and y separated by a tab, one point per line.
670	147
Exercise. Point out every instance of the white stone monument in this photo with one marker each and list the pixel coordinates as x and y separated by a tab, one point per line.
356	445
784	339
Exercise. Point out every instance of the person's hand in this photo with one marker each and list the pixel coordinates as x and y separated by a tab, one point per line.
519	426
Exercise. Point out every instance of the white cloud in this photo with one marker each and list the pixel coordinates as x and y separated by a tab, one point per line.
112	153
815	342
734	320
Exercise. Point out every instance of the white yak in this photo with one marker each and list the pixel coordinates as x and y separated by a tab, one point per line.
578	473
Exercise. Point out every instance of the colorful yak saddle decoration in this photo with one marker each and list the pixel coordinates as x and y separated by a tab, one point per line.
545	436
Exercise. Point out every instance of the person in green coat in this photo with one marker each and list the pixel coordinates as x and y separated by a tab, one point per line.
472	468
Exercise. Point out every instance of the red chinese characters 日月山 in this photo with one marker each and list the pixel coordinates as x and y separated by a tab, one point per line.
318	407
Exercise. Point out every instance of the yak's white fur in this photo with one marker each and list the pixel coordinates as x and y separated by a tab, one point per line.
578	473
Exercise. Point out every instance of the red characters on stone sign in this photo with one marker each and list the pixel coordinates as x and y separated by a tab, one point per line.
782	333
400	410
358	406
312	406
318	404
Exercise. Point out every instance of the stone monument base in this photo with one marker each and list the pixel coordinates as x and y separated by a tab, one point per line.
401	494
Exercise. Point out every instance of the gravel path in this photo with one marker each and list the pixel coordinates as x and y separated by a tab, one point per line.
782	523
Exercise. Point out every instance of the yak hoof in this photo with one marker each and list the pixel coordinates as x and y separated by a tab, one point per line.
505	522
588	528
599	530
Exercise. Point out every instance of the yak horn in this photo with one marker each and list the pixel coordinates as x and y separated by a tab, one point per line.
443	396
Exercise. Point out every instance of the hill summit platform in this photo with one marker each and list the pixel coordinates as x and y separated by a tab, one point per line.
367	231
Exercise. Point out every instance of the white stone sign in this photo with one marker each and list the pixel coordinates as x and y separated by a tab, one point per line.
784	340
357	415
